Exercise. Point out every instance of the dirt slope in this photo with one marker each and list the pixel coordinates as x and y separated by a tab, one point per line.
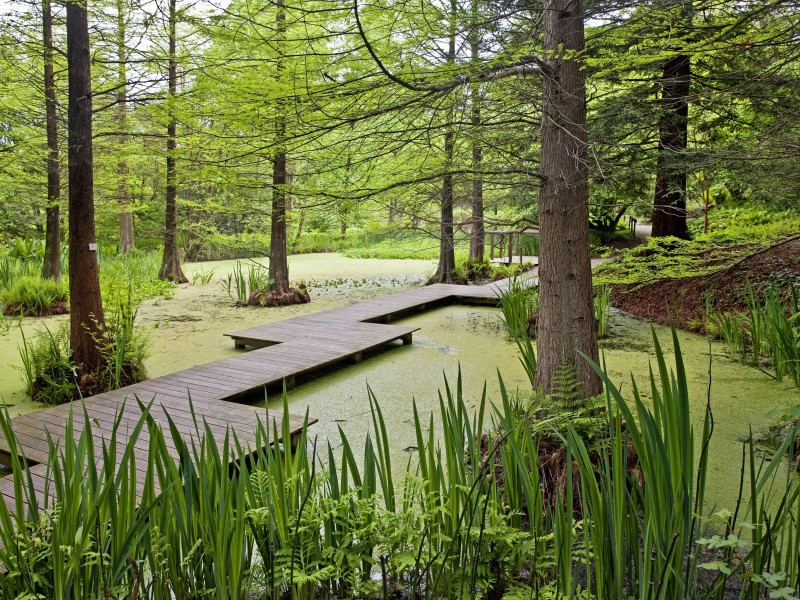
682	302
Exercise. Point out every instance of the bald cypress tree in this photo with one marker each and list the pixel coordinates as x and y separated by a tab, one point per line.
86	308
566	323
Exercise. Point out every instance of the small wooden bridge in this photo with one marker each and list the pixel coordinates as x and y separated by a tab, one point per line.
286	350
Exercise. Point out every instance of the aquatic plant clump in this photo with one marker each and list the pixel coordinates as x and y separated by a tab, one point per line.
32	296
50	374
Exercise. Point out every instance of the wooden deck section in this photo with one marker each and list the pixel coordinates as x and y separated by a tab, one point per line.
356	325
285	350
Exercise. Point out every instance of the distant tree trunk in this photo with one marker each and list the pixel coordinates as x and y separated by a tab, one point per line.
447	259
278	261
300	224
52	243
477	240
171	264
392	210
669	204
86	307
126	243
566	322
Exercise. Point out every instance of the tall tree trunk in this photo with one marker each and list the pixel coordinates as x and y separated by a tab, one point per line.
669	204
278	261
52	243
300	224
171	264
86	307
126	243
566	310
477	240
447	259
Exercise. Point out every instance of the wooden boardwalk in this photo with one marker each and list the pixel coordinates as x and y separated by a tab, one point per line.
285	350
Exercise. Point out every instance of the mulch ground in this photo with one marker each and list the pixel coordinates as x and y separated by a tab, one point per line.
682	302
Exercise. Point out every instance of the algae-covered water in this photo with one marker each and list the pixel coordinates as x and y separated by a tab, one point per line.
187	330
473	339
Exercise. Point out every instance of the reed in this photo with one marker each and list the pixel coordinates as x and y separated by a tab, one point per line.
518	302
602	308
242	282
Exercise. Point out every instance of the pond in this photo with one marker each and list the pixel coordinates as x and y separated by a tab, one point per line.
473	339
187	330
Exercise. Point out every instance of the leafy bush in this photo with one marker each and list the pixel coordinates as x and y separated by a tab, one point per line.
506	271
320	241
33	296
220	246
26	249
424	247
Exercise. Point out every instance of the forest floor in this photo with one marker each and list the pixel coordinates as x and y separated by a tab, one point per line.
683	302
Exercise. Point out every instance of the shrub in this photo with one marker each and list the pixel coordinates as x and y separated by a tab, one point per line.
220	246
11	269
403	246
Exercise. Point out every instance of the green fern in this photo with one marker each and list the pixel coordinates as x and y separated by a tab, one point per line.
567	390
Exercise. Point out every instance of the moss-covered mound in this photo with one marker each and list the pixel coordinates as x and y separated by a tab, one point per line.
723	284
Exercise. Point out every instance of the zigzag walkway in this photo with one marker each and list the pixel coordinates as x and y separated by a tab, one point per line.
286	349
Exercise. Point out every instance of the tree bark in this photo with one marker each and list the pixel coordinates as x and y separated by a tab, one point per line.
477	240
566	324
86	308
126	243
170	263
669	203
447	260
51	268
278	261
